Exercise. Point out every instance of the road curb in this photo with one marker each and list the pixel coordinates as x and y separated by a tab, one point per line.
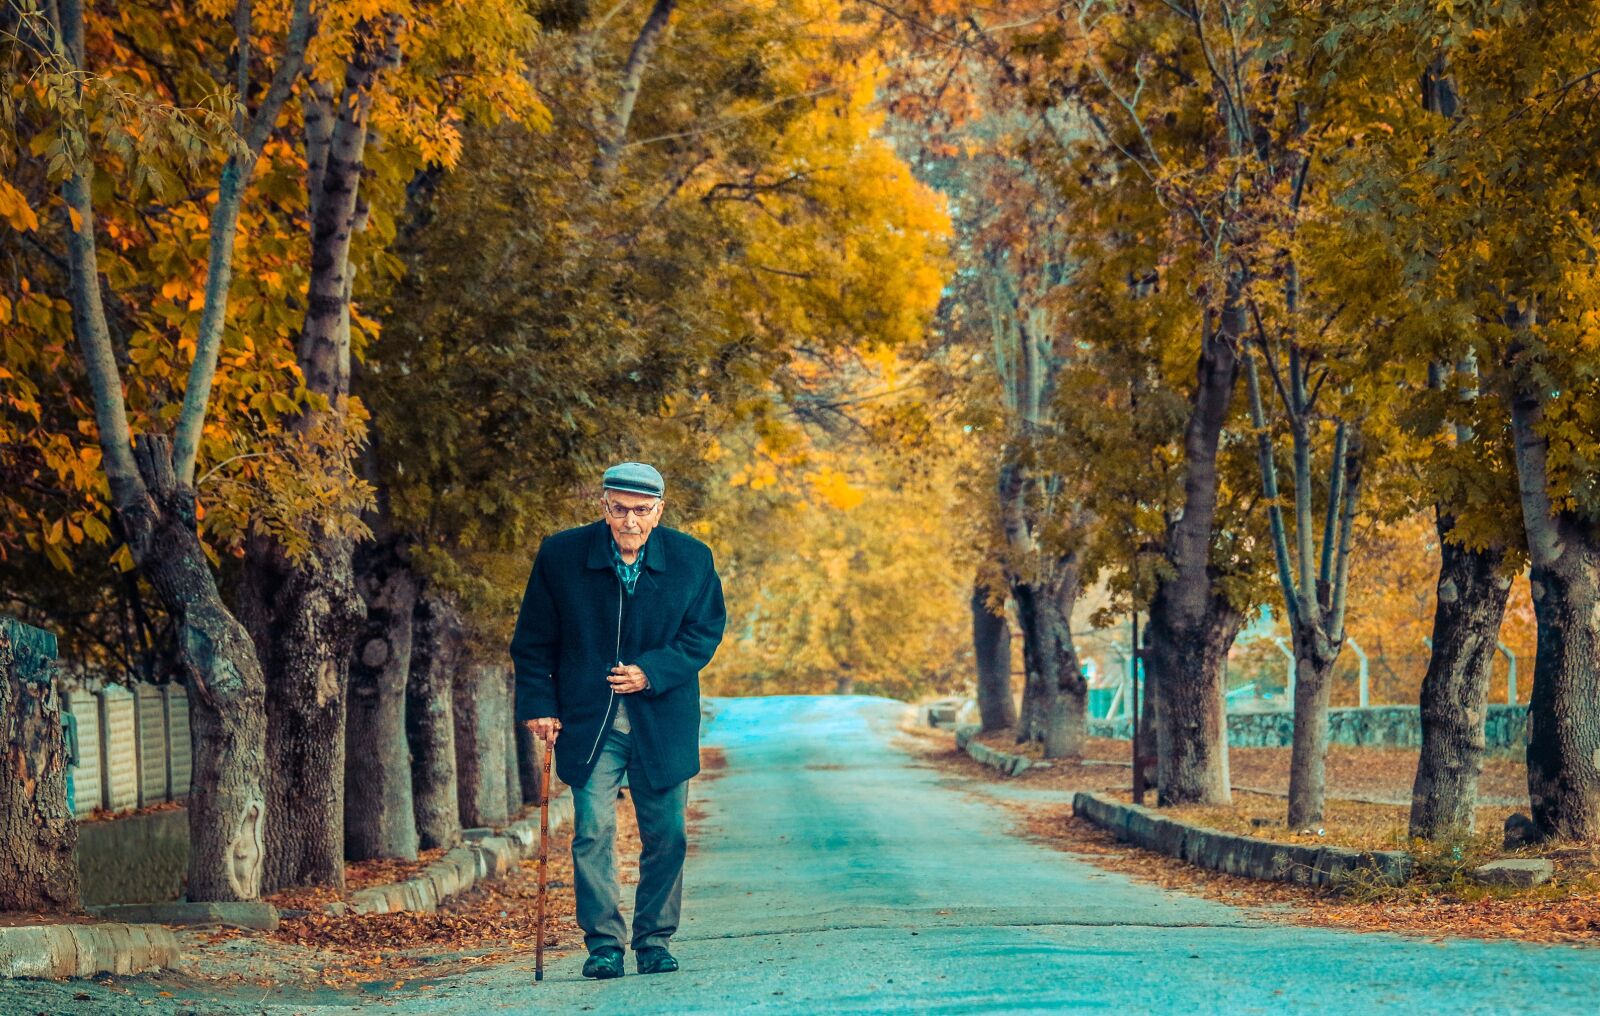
255	916
84	950
1233	854
1010	765
486	854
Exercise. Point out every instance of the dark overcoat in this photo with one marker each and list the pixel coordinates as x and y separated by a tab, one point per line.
576	623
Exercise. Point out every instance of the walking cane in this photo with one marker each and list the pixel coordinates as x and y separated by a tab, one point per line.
544	857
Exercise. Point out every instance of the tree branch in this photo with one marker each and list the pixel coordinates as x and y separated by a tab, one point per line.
1531	449
88	306
224	225
604	168
1336	475
1269	487
1341	581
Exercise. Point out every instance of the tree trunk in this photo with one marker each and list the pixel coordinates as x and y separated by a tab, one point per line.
38	839
430	721
379	820
1187	673
1148	743
1564	709
304	613
481	712
1192	624
228	819
1055	698
1470	606
1035	692
304	618
991	644
1314	660
1068	725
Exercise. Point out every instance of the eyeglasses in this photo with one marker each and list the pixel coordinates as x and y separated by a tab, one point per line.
620	511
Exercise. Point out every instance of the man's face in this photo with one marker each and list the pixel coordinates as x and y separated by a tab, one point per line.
632	529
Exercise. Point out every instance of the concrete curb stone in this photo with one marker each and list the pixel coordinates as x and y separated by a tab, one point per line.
1523	873
1249	856
484	854
1010	765
84	950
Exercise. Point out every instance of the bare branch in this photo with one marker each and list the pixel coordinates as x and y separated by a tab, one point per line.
231	185
1269	486
1341	581
1336	476
604	167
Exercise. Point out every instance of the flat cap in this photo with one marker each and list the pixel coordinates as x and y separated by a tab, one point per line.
635	478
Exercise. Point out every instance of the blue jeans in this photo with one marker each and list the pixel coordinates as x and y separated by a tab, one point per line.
659	896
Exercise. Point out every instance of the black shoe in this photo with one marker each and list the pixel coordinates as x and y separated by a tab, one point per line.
605	962
654	959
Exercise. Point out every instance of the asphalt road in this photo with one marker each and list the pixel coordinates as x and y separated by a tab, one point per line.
832	874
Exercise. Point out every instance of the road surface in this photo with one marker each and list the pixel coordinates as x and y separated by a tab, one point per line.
833	874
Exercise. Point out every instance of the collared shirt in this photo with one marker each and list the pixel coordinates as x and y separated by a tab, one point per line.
629	576
628	573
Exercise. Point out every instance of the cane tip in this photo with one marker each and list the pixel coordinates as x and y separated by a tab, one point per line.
538	975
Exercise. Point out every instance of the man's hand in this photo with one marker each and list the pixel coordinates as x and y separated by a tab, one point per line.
626	679
545	728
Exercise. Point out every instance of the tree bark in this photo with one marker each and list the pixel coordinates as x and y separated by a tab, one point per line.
304	617
379	820
991	644
1313	670
1192	624
430	721
228	820
1468	611
1187	675
1564	708
38	839
1055	701
481	711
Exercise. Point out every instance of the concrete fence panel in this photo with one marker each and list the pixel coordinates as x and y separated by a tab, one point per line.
151	714
119	749
85	709
178	746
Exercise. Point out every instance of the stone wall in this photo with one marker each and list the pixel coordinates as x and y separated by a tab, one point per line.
1505	728
134	859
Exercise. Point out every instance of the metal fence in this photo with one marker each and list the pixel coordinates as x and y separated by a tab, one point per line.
129	745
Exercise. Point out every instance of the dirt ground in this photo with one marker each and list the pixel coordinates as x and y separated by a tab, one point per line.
1379	775
1439	900
491	922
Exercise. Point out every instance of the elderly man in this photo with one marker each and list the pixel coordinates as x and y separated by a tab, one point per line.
617	621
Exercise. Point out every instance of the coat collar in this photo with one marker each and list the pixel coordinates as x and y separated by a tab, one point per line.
655	559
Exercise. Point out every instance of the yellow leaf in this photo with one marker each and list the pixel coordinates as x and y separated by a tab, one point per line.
14	208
